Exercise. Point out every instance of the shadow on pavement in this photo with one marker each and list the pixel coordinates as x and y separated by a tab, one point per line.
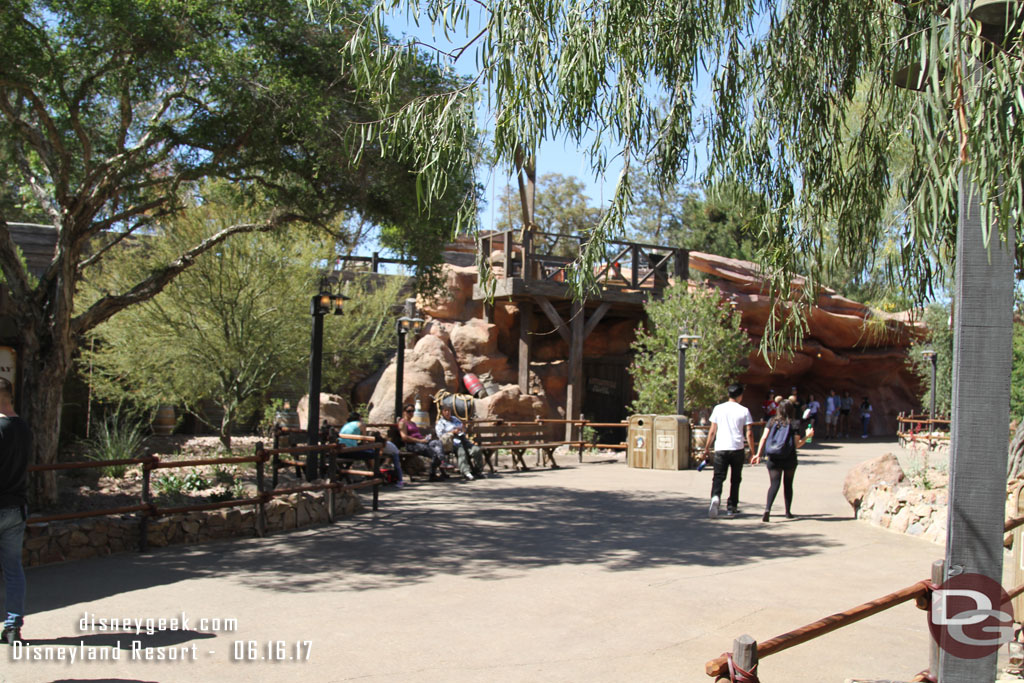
470	530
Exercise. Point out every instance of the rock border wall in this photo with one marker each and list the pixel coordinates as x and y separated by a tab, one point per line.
84	538
907	510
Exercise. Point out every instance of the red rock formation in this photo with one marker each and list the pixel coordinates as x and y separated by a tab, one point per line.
848	346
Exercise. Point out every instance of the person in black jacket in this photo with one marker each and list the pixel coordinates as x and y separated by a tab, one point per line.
15	446
781	468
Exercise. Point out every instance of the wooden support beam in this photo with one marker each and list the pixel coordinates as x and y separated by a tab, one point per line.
525	343
506	258
574	391
595	318
552	314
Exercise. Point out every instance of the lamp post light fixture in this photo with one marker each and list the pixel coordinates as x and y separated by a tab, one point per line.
931	355
320	305
405	324
685	342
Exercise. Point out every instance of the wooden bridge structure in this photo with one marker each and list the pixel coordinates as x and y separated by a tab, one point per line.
530	269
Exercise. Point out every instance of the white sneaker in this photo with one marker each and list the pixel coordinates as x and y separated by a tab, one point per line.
713	510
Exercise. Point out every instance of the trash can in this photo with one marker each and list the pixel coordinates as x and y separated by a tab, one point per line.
639	446
671	442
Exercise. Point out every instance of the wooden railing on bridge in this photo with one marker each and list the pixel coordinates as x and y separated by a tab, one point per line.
538	255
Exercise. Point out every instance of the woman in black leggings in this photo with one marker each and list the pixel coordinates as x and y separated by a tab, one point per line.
781	468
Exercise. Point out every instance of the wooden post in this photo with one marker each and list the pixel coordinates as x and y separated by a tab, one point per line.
981	421
375	262
147	499
506	259
527	273
261	510
376	475
332	476
634	276
744	652
574	391
938	576
682	264
525	325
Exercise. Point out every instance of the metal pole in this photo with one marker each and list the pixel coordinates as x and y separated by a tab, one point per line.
316	348
399	370
681	384
931	410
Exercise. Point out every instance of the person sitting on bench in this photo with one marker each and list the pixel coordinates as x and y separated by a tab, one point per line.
416	443
355	426
469	456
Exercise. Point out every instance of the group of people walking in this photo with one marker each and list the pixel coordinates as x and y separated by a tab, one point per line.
789	426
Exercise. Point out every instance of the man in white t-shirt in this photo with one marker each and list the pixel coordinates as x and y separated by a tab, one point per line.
730	422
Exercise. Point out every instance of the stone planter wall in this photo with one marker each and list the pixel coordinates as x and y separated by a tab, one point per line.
83	538
907	510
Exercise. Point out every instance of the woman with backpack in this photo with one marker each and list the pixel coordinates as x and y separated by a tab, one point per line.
782	436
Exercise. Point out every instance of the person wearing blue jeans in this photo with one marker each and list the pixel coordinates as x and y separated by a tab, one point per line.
15	446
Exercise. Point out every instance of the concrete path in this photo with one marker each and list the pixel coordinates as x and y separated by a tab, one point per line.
595	572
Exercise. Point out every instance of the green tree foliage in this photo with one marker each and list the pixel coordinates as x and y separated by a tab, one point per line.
718	358
620	77
723	220
939	339
1017	378
111	113
230	326
560	207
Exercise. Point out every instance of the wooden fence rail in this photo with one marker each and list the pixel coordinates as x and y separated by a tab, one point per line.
148	510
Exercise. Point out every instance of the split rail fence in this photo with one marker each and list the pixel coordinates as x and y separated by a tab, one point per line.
147	509
740	665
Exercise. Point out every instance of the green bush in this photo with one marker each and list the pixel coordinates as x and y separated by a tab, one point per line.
715	361
169	486
117	438
195	481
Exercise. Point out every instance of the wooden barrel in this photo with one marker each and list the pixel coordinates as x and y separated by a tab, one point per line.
460	404
165	421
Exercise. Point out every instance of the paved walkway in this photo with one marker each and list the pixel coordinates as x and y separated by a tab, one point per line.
595	572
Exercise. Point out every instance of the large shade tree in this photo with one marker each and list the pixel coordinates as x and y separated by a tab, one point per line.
111	113
621	77
234	324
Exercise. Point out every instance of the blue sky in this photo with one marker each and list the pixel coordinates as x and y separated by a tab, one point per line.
555	156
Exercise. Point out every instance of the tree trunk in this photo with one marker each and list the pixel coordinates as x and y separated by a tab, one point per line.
225	427
44	370
1015	463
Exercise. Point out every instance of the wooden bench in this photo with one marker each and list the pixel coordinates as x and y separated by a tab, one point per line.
517	437
413	464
